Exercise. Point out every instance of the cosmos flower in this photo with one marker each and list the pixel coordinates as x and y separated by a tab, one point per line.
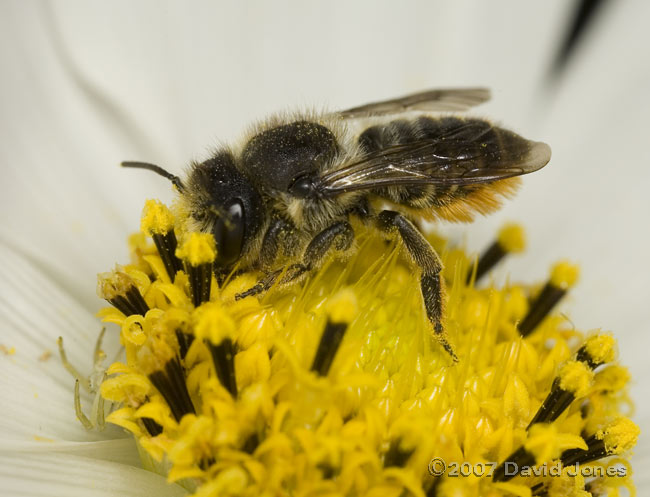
76	102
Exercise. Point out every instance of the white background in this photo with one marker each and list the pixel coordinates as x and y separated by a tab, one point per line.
87	84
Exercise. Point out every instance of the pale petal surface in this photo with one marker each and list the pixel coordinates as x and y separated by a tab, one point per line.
87	84
66	475
37	390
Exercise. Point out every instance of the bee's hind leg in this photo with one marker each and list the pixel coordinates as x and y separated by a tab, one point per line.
425	257
338	236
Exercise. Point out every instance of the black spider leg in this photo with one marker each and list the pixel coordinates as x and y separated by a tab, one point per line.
427	260
339	236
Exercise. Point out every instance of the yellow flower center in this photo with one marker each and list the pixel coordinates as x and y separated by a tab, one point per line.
336	386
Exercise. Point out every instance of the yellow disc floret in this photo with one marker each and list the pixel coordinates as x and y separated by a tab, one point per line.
156	218
213	323
334	385
564	275
601	348
512	238
619	436
546	443
198	249
342	307
576	377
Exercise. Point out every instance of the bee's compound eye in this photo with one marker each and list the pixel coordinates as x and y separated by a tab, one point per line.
228	233
301	187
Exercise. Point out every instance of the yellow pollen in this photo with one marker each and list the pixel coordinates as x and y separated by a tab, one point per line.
564	275
576	377
619	436
601	348
156	219
113	284
198	249
126	387
612	378
567	485
512	238
342	307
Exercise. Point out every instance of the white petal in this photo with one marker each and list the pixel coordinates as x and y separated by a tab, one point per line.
641	459
591	203
37	394
123	451
52	475
594	194
64	200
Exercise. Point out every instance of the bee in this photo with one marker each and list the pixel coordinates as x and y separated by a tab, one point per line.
290	189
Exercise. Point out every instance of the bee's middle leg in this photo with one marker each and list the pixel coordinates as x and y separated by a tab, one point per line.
425	257
338	236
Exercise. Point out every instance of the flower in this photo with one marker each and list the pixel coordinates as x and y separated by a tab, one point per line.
337	385
86	86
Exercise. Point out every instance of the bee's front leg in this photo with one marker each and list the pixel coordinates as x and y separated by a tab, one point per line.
338	236
425	257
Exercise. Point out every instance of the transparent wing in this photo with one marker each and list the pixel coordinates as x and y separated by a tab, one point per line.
440	100
470	154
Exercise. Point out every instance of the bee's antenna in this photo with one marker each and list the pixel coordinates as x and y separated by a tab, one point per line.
156	169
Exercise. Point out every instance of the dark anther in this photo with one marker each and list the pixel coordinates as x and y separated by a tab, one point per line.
223	357
540	308
396	456
487	261
166	245
131	302
328	346
171	385
200	280
516	461
151	426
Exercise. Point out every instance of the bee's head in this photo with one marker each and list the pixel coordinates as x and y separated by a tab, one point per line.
222	201
225	203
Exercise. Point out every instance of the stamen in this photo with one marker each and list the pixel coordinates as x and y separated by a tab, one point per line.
251	443
616	438
518	459
396	455
563	277
510	240
217	328
120	290
171	385
573	381
575	377
341	311
597	350
223	359
544	444
184	342
151	426
199	253
158	222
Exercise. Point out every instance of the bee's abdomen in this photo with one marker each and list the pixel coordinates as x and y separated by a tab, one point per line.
454	137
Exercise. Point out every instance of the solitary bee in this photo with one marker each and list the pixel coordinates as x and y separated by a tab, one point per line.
288	193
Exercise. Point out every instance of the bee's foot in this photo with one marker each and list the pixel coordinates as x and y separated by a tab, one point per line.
441	337
255	290
260	287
